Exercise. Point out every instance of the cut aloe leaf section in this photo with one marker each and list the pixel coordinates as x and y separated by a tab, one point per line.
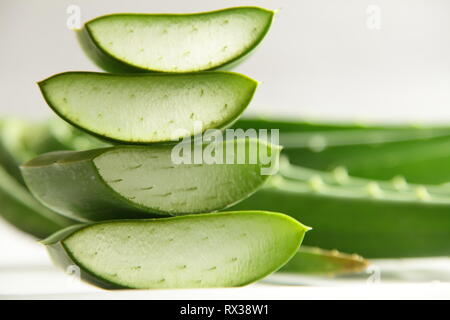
174	42
133	181
148	108
207	250
315	261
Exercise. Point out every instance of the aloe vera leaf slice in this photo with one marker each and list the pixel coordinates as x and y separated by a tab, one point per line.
23	211
372	221
206	250
134	181
174	42
316	261
149	108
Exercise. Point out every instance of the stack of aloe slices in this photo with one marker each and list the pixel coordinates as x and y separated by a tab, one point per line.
21	209
132	189
378	219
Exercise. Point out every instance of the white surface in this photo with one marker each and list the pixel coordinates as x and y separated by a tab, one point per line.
27	273
319	59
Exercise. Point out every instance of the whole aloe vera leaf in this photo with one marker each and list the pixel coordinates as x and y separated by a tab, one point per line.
206	250
419	154
315	261
302	126
373	220
141	109
21	140
421	161
133	181
174	42
25	139
23	211
289	128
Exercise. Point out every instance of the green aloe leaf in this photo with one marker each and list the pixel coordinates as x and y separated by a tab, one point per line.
133	181
22	210
378	219
174	42
22	140
206	250
315	261
418	154
149	108
420	161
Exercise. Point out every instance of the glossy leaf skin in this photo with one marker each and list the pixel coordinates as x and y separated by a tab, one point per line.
20	209
298	126
207	250
148	108
290	126
174	43
315	261
372	222
135	182
21	141
419	154
422	161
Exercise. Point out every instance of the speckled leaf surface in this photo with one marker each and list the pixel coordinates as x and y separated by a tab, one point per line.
174	42
149	108
137	181
207	250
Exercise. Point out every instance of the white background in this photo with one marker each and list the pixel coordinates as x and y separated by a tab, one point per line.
320	61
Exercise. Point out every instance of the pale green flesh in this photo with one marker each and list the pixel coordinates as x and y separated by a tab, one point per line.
134	181
224	249
148	108
148	178
180	43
